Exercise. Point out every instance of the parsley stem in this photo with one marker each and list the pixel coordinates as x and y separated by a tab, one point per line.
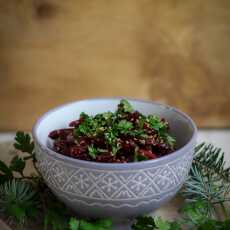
35	167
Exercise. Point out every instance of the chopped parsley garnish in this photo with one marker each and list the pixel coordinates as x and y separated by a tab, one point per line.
118	134
124	126
92	151
125	106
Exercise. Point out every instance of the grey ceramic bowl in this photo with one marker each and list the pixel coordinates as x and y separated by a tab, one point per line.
111	189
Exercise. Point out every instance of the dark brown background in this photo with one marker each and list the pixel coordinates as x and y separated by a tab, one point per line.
173	51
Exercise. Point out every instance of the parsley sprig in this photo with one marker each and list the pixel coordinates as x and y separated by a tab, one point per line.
110	126
162	129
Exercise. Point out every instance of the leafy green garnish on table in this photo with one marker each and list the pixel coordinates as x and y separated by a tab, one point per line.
79	224
144	223
215	225
162	224
17	164
23	142
194	216
5	173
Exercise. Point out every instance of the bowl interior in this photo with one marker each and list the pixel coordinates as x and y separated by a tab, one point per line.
181	126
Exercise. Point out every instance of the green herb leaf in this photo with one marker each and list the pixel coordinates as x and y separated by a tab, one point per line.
174	225
107	115
87	127
215	225
84	115
150	223
138	133
53	219
155	123
17	212
104	224
74	224
93	152
124	126
5	173
127	108
100	224
141	158
195	213
23	142
17	164
162	224
4	168
82	129
110	137
169	139
115	149
85	225
161	127
144	223
55	213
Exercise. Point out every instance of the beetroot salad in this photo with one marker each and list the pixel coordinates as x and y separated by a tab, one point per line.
115	137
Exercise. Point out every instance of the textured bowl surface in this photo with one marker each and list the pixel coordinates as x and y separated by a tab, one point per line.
112	189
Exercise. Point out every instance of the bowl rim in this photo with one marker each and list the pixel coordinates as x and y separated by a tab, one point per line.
178	153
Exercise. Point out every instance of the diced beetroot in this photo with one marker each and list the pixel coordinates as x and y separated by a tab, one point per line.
73	123
147	153
54	134
60	133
